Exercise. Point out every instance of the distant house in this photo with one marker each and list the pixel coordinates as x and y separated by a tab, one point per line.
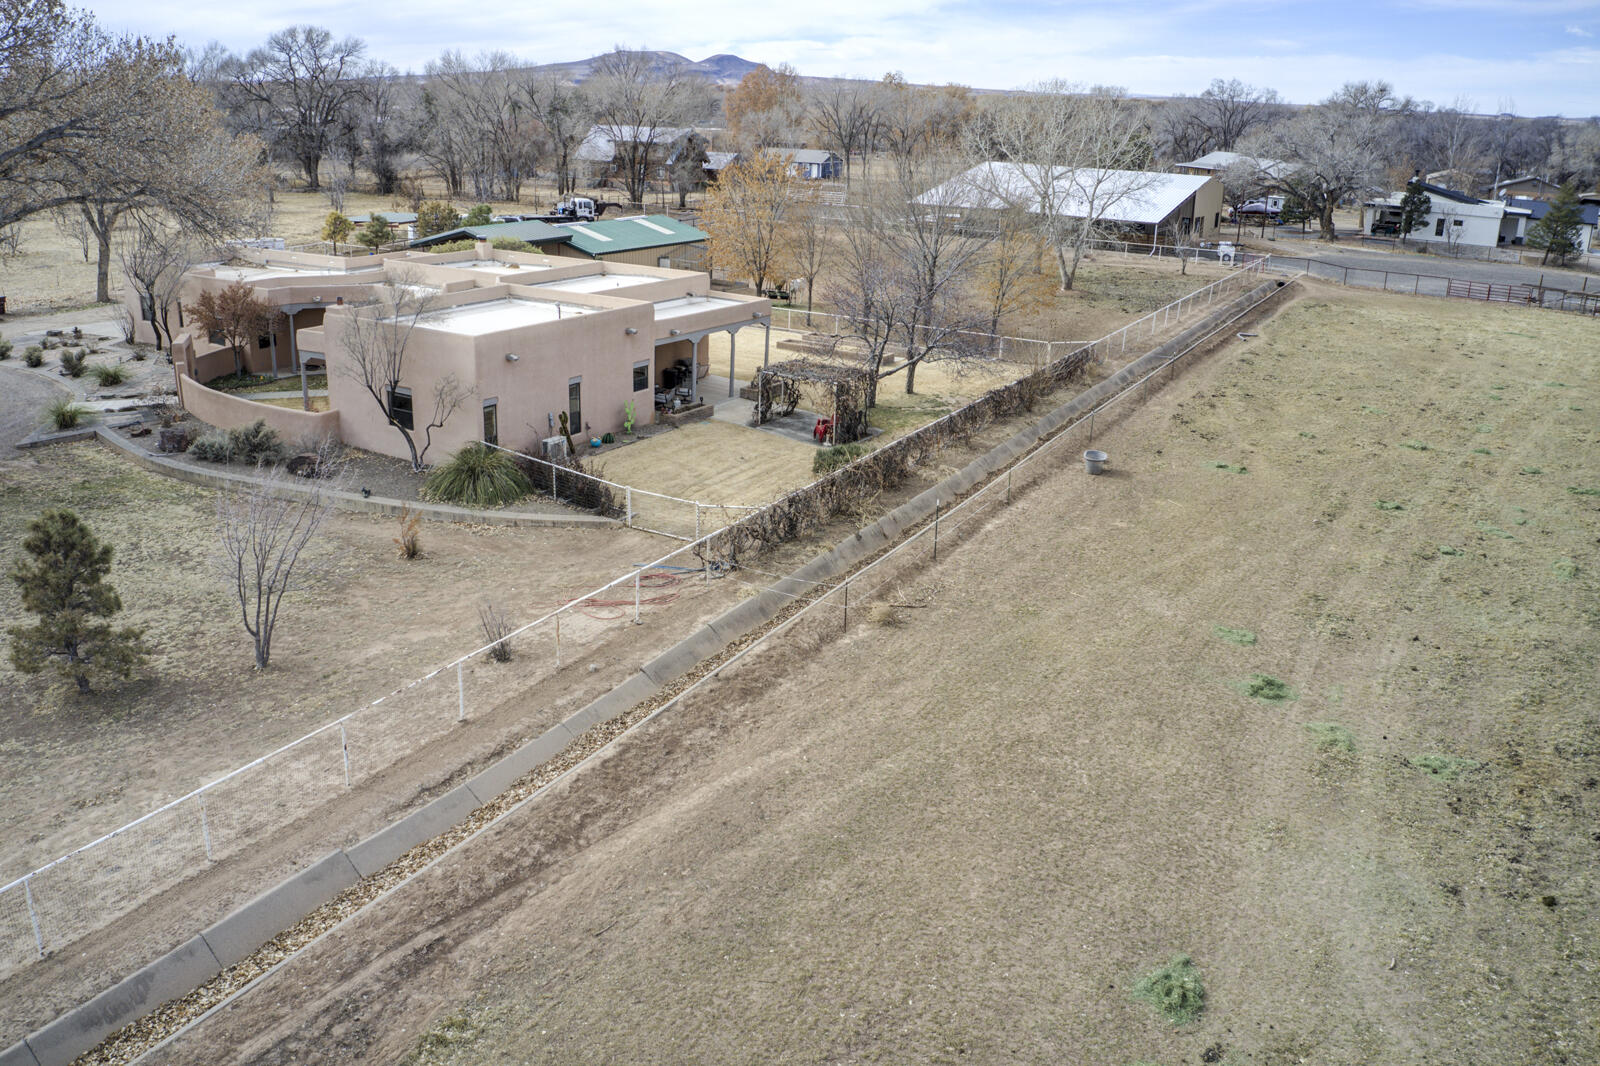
604	149
1187	204
1212	164
1588	239
1531	187
643	240
1454	218
813	164
717	162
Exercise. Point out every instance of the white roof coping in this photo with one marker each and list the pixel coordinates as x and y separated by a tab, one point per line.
492	316
689	305
597	282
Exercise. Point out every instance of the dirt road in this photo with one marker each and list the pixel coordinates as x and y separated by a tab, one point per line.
963	837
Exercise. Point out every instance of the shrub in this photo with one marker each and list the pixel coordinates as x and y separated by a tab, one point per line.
5	348
1175	990
66	414
34	355
1267	687
74	362
212	447
252	444
477	476
255	443
1444	767
465	245
510	244
495	630
410	539
109	376
832	458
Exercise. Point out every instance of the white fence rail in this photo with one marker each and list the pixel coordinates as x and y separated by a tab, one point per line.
93	885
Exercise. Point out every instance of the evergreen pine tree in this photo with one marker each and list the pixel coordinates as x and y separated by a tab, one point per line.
63	582
1414	208
1559	232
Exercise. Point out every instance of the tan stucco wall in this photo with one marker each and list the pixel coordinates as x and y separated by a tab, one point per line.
229	412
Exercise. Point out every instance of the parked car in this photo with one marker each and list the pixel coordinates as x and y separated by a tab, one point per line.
1269	205
1391	229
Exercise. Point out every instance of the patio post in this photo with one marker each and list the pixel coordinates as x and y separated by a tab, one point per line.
733	344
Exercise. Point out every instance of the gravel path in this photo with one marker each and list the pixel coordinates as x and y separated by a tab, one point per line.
23	397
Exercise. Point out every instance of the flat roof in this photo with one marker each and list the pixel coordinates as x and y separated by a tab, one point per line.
690	305
492	316
598	282
495	266
280	270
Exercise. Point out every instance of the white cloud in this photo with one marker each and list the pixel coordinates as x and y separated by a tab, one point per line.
1579	31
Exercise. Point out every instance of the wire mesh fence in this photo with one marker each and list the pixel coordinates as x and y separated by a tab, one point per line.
86	889
1583	300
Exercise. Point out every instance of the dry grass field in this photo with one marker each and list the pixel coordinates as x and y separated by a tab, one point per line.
1305	690
81	766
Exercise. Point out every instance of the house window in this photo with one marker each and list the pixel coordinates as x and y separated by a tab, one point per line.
264	341
1438	227
641	376
215	337
491	421
575	404
400	406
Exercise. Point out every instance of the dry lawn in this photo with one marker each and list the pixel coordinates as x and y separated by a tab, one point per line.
78	767
713	462
965	838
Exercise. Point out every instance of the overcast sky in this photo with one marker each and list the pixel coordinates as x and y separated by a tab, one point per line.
1530	56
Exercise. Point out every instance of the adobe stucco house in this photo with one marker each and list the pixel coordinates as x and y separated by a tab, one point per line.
1454	219
527	335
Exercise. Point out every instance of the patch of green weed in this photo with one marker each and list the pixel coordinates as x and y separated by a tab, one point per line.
1331	736
1235	636
1484	427
1415	445
1555	384
1565	569
1266	687
1371	410
1495	531
1230	469
1481	451
1391	505
1175	990
1576	491
1530	470
1444	767
1446	549
1308	436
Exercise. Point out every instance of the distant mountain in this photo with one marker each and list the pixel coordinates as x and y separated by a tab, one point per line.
718	69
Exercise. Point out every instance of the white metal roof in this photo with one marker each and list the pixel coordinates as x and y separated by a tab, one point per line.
1219	159
1143	197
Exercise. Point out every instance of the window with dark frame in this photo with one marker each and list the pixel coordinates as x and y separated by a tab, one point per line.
641	376
400	406
264	341
575	405
491	421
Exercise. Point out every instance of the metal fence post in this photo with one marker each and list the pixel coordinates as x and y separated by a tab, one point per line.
636	589
344	749
205	828
558	639
935	530
697	520
1008	484
846	626
33	915
461	695
629	506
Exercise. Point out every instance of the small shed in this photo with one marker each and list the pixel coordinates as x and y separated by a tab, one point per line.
813	164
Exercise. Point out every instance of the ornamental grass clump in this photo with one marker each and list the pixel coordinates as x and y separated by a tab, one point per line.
477	476
1175	990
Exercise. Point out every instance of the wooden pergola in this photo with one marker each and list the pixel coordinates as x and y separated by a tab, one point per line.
842	388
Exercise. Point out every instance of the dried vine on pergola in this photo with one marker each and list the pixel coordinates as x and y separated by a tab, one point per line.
842	385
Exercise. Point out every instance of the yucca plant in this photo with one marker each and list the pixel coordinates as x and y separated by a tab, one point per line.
74	362
66	414
477	476
109	376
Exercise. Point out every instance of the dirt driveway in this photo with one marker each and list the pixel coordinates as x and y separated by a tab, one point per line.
23	398
963	838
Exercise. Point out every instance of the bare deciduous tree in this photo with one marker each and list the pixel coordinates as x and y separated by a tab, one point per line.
154	261
262	533
1231	110
1338	147
843	113
640	108
565	112
301	84
373	338
1075	157
811	236
480	100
